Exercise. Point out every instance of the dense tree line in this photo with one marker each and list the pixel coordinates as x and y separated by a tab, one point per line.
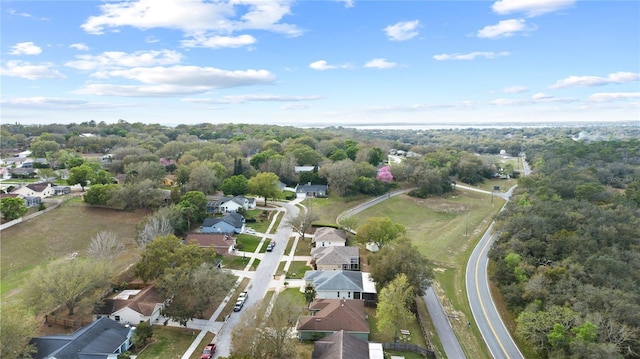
568	257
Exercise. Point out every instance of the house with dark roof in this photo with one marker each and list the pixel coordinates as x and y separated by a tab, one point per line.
223	243
102	339
336	258
229	223
42	190
340	345
327	236
133	306
311	190
23	173
341	285
331	315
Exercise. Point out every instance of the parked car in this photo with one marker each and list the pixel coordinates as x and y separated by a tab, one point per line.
270	246
243	296
208	351
250	230
238	305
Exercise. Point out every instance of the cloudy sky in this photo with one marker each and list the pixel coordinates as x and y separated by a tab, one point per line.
320	63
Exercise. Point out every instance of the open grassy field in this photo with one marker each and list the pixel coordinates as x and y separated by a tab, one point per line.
328	209
57	234
445	230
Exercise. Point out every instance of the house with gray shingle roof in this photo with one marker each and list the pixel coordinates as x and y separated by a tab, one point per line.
102	339
311	190
332	315
341	285
133	306
336	258
229	223
327	236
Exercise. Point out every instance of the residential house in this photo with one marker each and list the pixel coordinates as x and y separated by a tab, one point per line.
229	223
298	169
15	161
341	345
311	190
223	243
229	205
327	236
28	201
102	339
332	315
23	173
42	190
336	258
133	306
341	285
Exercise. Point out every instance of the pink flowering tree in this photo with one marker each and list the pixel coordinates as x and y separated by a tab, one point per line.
384	174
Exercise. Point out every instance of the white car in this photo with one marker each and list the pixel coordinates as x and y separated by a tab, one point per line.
250	230
243	296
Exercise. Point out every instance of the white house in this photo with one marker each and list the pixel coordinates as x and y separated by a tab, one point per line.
133	306
327	236
234	204
341	285
42	190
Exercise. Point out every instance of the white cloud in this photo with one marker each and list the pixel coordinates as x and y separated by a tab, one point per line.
380	64
195	76
25	48
402	31
322	65
587	81
530	7
139	91
541	96
252	98
79	46
348	3
24	14
215	42
223	17
470	56
29	71
151	39
515	89
613	96
119	59
504	28
54	103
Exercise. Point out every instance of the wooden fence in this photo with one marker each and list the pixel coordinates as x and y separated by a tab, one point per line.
67	323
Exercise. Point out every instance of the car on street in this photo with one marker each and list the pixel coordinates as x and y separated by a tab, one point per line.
238	305
208	351
270	246
243	296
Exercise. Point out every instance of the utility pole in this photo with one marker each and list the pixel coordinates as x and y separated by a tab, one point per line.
466	228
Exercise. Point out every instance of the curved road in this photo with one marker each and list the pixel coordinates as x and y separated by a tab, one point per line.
485	313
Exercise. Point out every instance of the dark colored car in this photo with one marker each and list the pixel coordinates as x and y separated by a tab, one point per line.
208	351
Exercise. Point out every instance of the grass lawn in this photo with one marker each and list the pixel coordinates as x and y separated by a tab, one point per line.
248	242
328	209
263	219
445	230
57	234
303	248
169	342
297	269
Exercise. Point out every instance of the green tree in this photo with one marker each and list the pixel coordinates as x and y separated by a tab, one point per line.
265	184
162	253
12	208
162	222
376	156
17	327
310	293
235	185
193	290
401	257
88	172
348	223
380	231
43	148
340	175
193	206
68	283
99	194
143	332
393	311
535	326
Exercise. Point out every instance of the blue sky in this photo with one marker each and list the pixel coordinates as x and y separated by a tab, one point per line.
320	63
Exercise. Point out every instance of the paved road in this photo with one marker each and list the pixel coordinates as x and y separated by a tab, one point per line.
259	284
485	313
452	347
486	316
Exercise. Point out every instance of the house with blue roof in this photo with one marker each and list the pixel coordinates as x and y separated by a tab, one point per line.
229	223
341	285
